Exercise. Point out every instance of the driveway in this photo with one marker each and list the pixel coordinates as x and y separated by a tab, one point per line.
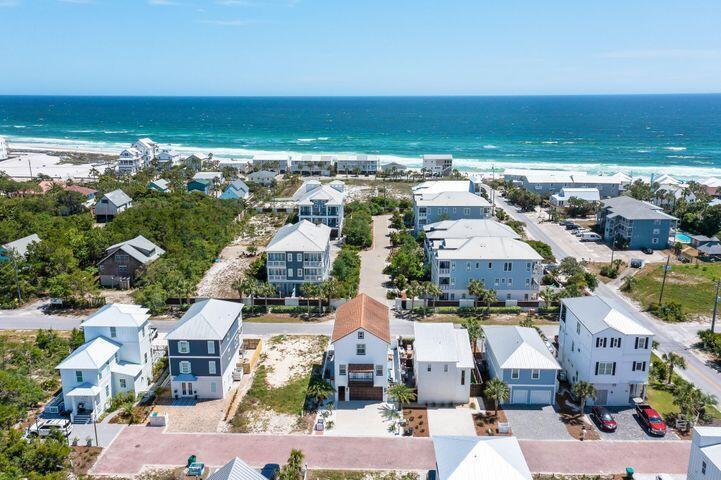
361	418
451	421
106	433
536	423
629	427
373	261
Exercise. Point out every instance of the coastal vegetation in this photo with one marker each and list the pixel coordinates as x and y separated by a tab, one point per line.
346	270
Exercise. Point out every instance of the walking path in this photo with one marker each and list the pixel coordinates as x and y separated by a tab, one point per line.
139	446
373	261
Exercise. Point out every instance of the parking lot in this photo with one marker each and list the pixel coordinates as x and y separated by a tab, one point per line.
629	427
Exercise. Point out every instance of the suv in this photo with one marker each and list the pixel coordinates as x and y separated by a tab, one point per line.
650	419
44	428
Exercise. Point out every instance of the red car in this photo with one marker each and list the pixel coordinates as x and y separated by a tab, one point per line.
651	419
603	419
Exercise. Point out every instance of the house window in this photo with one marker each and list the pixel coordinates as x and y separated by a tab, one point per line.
299	272
641	343
107	390
211	367
468	266
183	347
510	282
342	369
496	282
490	265
463	377
528	266
654	241
535	374
429	367
507	266
466	211
145	357
578	328
122	258
528	282
478	265
289	257
123	383
78	375
211	347
703	468
445	368
639	366
605	368
361	335
122	269
379	370
360	349
515	374
289	273
601	342
656	231
184	367
213	387
113	332
299	257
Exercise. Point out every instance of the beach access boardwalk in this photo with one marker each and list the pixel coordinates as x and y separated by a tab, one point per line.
137	447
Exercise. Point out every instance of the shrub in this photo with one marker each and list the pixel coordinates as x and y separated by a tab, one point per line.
670	312
346	269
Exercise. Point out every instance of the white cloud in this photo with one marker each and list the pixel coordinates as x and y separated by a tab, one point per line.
668	54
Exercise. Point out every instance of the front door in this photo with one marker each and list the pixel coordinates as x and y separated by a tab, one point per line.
186	388
341	394
601	397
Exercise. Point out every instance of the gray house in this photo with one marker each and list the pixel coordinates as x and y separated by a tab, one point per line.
204	348
635	223
124	261
320	203
111	204
519	357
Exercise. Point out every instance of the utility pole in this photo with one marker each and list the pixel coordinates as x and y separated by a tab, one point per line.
715	307
666	268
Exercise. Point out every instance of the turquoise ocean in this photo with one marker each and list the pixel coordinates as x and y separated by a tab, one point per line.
637	134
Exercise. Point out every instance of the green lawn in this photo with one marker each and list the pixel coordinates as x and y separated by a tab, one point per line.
692	286
288	398
661	399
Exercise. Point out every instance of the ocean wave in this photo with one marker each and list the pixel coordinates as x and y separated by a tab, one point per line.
550	142
675	149
643	151
490	147
19	126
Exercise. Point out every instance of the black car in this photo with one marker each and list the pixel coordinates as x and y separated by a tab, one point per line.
647	251
603	419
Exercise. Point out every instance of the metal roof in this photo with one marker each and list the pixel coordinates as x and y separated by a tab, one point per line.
438	186
127	368
479	458
21	245
442	342
118	197
303	196
597	315
236	469
118	315
303	236
451	199
90	355
485	248
519	347
206	320
468	228
633	209
140	248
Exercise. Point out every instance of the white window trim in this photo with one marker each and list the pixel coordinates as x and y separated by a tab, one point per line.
183	346
211	347
184	367
211	368
515	374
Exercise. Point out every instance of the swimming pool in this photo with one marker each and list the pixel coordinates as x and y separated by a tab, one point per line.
683	238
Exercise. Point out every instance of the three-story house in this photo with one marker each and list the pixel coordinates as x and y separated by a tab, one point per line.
322	203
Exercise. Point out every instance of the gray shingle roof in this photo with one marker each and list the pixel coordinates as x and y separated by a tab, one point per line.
118	197
519	347
633	209
206	320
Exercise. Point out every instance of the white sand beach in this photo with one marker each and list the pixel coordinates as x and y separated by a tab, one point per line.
27	164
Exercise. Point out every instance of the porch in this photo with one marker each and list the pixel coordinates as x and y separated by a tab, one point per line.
84	403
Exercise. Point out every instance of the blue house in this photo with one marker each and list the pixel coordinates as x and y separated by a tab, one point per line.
202	185
634	224
204	348
519	357
447	200
236	190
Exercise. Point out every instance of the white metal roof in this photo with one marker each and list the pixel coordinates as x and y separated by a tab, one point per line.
597	315
90	355
438	186
303	236
519	347
206	320
208	176
486	248
21	245
127	368
480	458
118	315
468	228
326	192
236	469
442	342
85	389
451	199
118	197
588	194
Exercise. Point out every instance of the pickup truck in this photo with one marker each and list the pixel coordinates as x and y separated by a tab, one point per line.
651	420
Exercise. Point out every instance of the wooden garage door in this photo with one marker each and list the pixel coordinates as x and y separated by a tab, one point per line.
366	393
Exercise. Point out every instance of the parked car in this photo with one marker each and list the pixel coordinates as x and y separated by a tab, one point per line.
590	237
603	418
45	427
651	420
647	251
572	226
580	231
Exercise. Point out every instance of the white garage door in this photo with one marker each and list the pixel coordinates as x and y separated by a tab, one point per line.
519	396
541	397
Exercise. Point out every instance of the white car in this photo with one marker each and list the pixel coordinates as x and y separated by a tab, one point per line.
590	237
45	427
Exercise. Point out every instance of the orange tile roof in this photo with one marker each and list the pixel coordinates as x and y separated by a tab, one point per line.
362	312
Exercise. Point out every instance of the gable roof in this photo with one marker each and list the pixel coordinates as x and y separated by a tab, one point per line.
212	176
442	342
236	469
239	185
468	228
161	184
362	312
597	315
303	236
438	186
206	320
118	197
479	458
519	347
451	199
118	315
140	248
90	355
323	192
21	245
633	209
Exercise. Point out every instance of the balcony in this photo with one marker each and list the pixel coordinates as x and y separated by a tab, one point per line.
276	264
277	278
360	375
444	271
310	264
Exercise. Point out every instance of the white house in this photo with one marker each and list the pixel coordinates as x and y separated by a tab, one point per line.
602	346
148	149
443	363
479	458
274	162
322	203
360	164
111	204
3	149
318	165
561	198
115	358
167	158
130	161
240	165
438	165
360	349
263	177
705	459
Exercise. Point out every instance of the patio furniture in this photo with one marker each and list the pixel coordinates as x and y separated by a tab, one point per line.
196	469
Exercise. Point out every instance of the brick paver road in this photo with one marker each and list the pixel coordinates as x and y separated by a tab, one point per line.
373	261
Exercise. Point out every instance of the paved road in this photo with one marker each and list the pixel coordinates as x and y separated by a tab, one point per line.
137	446
669	337
373	261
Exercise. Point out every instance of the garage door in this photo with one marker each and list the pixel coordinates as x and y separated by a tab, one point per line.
541	397
366	393
519	396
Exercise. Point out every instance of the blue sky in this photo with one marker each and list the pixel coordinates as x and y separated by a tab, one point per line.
346	47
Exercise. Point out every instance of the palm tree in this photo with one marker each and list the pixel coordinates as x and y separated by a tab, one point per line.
311	290
549	296
498	391
320	389
692	402
402	393
266	289
474	331
246	286
413	290
584	390
489	296
673	360
293	469
476	288
330	289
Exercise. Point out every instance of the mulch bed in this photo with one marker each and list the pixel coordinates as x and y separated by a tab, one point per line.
575	421
417	419
487	424
83	458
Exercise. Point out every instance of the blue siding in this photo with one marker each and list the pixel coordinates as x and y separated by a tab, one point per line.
436	214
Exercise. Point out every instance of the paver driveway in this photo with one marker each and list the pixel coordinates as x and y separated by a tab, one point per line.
451	421
629	428
536	423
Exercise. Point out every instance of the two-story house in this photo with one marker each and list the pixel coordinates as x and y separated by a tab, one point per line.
204	348
442	364
111	204
115	358
167	158
297	255
273	162
322	203
510	267
438	165
357	164
633	224
236	190
602	346
124	261
360	350
130	161
479	458
519	357
315	165
432	207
